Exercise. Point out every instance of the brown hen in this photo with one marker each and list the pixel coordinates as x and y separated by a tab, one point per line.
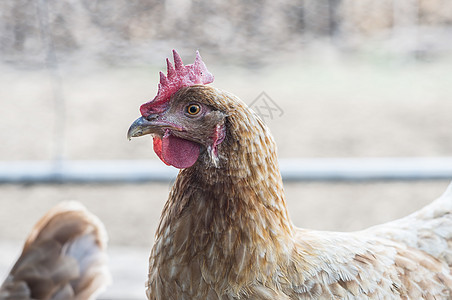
63	258
225	232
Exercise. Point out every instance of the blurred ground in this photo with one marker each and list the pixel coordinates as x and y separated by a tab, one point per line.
336	106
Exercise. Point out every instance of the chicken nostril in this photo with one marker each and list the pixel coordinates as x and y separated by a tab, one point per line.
151	117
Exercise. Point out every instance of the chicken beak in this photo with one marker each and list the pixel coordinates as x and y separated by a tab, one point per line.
139	127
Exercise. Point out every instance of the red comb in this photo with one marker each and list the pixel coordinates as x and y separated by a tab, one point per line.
178	76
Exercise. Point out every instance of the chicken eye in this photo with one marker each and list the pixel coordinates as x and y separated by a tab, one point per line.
193	109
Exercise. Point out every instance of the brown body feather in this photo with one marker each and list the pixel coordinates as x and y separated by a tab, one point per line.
63	258
225	232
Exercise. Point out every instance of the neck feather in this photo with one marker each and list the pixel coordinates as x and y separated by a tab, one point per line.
246	184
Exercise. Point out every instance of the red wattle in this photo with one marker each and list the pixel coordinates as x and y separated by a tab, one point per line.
176	152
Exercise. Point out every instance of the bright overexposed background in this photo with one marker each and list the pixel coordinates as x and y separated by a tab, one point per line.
353	78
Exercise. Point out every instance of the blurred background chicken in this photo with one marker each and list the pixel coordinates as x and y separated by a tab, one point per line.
64	257
225	232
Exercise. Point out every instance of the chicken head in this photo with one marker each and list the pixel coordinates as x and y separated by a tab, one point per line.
182	118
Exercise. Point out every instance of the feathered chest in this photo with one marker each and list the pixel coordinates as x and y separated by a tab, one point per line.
214	241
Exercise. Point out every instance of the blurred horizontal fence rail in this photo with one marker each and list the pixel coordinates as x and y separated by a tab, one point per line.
314	169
